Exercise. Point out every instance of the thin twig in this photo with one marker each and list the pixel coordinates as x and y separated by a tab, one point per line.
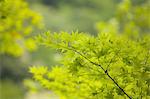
112	59
105	71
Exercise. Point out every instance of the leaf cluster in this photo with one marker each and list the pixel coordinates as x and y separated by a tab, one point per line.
88	61
17	21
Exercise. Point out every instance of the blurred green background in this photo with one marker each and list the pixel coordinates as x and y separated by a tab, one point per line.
88	16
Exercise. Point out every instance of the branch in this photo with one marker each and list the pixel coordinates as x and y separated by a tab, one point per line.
118	85
105	71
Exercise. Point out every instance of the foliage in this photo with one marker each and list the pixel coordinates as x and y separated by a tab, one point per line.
91	67
17	21
131	19
113	65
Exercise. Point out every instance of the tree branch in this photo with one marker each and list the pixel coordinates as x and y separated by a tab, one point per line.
105	71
